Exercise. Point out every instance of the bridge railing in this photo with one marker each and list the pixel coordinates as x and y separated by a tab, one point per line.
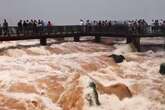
86	29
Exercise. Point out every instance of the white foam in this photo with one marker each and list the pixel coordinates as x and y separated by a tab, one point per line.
123	49
31	97
136	103
25	67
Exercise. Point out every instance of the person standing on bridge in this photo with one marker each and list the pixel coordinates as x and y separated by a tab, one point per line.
39	26
20	27
5	27
24	27
49	27
35	30
0	30
42	26
163	26
82	25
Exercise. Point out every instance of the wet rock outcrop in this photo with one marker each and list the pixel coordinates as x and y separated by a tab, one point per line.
162	69
118	58
92	96
82	90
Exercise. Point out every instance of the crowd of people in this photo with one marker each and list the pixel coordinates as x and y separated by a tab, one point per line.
158	25
25	26
133	26
32	26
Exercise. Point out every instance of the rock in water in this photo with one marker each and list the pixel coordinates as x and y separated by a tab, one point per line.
91	95
90	91
162	69
95	94
118	58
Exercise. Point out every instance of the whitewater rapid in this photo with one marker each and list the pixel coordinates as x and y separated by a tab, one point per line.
29	72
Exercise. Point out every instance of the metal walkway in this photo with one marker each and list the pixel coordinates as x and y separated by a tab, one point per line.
77	31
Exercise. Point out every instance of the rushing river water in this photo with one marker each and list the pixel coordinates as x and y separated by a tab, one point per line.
34	77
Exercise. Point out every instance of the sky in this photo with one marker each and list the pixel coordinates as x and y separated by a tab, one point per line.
67	12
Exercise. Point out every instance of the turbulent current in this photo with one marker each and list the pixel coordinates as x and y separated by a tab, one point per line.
56	77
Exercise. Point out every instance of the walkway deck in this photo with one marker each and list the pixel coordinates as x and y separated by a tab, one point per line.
76	32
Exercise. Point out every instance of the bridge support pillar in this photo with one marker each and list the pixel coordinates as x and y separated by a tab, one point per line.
136	42
76	38
43	41
129	39
97	39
